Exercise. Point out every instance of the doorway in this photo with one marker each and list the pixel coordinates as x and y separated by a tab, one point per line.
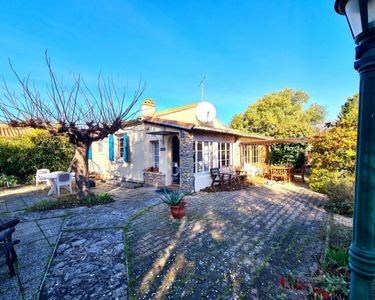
175	160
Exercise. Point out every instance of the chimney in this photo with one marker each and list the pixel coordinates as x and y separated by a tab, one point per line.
148	107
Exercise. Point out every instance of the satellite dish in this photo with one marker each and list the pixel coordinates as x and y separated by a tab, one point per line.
205	112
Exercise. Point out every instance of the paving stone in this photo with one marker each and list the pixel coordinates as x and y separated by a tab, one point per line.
12	294
223	242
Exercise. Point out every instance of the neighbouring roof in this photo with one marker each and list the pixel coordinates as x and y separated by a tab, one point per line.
9	131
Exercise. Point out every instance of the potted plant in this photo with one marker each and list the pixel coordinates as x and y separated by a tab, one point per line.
175	200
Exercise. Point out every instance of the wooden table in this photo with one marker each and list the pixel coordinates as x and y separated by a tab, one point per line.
284	173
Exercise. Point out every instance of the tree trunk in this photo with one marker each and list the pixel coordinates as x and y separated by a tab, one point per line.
80	167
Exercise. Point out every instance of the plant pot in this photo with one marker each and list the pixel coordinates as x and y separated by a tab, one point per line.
178	211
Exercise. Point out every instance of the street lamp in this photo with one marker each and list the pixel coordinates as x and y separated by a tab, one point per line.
361	18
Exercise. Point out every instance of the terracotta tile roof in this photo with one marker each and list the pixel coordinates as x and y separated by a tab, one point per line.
9	131
175	109
166	122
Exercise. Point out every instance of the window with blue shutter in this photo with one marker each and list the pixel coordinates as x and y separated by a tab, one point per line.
126	147
89	154
111	144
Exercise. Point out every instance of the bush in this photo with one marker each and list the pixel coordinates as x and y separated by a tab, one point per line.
22	156
320	179
69	201
288	154
338	187
341	196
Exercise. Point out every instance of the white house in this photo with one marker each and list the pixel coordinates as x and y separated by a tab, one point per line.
177	146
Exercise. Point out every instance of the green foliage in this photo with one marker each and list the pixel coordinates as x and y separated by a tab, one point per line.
336	257
22	156
333	155
340	192
320	179
172	198
101	198
335	148
8	181
69	201
282	115
334	284
288	154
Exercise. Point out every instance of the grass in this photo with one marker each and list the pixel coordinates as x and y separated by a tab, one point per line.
70	201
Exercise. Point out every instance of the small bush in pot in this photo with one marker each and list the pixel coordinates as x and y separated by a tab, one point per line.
175	200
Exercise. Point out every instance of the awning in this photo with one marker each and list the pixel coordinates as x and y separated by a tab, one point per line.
276	141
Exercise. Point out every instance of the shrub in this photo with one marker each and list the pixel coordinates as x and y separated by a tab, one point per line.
320	179
22	156
341	195
69	201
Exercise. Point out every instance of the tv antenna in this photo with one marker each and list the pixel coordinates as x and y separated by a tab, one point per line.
202	87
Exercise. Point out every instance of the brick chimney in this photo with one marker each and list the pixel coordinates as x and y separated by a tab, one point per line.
148	107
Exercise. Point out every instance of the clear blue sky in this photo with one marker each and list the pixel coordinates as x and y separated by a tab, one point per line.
245	48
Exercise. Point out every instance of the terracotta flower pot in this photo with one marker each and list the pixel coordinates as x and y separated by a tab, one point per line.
178	211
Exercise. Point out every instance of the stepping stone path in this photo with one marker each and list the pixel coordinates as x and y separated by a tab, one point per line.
230	245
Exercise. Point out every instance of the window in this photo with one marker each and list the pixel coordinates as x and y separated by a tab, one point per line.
202	157
207	156
252	154
225	151
120	147
155	153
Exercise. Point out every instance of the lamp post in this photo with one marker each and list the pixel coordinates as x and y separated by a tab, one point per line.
360	15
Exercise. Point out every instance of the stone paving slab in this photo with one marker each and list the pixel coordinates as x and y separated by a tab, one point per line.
231	245
33	253
88	264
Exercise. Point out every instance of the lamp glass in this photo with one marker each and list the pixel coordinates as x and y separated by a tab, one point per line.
353	14
371	14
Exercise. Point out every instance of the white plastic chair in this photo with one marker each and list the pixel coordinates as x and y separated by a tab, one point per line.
64	179
38	178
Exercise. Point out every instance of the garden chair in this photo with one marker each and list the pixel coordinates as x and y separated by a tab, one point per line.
64	179
299	171
6	243
280	173
38	178
7	249
218	177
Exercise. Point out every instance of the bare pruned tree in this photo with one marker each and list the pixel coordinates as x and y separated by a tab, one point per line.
82	114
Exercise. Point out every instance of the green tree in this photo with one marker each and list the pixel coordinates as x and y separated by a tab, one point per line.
334	154
335	148
282	115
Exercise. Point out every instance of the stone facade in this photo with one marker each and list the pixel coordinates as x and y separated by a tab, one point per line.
154	179
186	162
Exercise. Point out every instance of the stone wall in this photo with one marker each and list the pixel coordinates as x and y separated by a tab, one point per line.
186	162
154	179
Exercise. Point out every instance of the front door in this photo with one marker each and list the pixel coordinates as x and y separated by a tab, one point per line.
175	160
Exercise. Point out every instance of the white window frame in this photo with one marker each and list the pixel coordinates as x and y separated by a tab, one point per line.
252	154
211	155
155	154
120	147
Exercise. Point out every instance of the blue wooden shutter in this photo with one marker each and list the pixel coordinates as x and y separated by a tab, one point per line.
126	148
89	154
111	144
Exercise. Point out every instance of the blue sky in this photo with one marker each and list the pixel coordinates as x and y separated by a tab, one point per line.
245	48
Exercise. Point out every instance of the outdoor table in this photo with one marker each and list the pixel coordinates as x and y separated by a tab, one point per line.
52	178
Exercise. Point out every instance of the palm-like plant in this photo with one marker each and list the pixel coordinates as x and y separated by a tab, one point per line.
172	198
